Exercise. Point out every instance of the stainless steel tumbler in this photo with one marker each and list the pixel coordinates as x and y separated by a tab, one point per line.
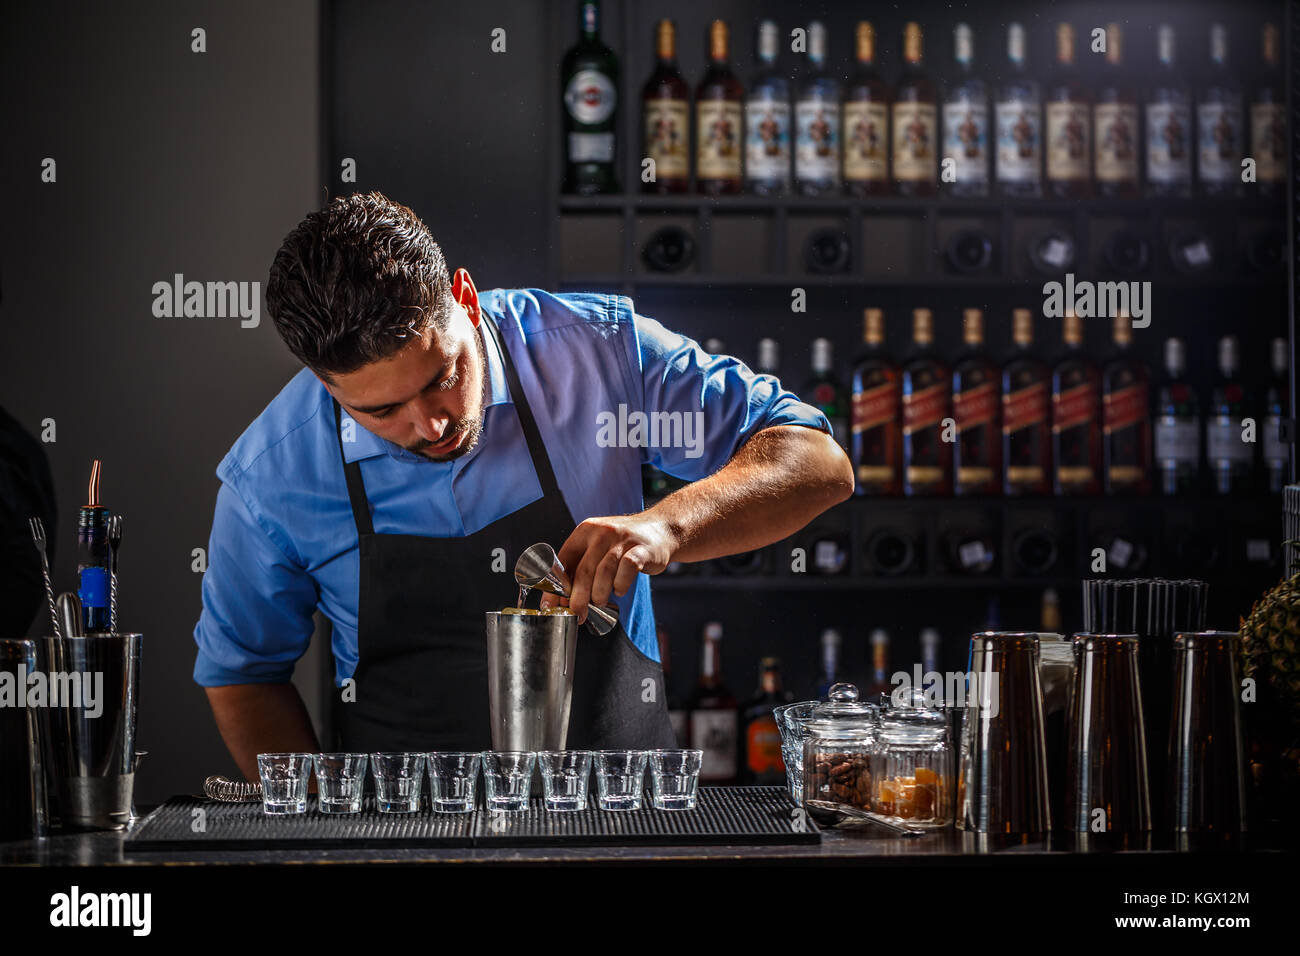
1206	751
90	732
24	811
530	679
1002	786
1108	789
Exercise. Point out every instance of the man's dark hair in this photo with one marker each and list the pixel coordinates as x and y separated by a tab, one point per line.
355	281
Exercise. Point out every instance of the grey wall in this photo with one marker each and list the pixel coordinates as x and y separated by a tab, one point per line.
168	161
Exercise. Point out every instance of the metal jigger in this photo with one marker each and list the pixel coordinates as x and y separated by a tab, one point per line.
539	568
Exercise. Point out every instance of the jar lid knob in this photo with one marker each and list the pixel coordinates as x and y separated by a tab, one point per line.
843	693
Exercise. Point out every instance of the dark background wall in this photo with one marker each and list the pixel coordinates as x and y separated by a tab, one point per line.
171	161
168	161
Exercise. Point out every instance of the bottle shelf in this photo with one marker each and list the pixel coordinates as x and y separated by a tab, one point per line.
913	544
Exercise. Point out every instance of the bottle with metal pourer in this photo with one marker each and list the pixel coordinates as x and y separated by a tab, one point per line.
93	559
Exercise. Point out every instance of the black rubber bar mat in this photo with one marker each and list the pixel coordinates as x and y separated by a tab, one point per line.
723	815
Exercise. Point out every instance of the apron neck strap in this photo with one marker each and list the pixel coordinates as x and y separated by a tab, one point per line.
352	473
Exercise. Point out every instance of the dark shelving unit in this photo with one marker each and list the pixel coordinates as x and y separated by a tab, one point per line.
748	259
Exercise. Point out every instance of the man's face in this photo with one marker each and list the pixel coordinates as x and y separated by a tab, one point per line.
427	397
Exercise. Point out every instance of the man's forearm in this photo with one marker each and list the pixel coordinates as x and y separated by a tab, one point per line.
778	481
261	718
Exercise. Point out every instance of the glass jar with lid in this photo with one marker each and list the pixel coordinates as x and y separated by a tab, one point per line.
837	770
912	765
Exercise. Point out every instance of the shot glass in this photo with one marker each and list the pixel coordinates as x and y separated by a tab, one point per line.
340	781
566	776
620	778
398	777
284	782
675	778
507	778
453	781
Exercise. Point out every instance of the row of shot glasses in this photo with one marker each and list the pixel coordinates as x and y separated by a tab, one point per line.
507	778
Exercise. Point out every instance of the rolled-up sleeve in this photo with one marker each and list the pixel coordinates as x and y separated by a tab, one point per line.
257	603
721	401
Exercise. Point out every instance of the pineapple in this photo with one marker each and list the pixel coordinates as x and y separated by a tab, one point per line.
1270	646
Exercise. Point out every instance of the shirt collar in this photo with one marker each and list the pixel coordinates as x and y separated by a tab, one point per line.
367	444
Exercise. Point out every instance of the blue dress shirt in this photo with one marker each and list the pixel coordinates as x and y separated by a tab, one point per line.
283	540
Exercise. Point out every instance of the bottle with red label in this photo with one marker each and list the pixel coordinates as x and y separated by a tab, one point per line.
877	442
1177	426
763	765
826	392
927	401
976	452
711	724
1026	431
1126	417
1076	417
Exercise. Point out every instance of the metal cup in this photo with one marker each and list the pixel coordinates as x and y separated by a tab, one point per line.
539	568
90	739
1002	784
1206	753
530	679
1107	763
24	811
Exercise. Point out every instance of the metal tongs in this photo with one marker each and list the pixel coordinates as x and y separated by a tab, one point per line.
539	568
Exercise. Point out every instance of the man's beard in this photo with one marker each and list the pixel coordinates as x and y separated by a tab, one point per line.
471	427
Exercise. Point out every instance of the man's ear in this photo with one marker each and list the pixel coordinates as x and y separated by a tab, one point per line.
464	292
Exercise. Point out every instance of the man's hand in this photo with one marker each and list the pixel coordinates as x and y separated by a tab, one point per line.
604	555
777	482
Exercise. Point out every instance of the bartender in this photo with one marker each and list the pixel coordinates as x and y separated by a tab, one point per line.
434	434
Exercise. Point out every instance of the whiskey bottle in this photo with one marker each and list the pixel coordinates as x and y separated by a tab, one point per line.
762	739
712	717
1019	133
1277	461
1169	125
1177	426
966	122
817	123
1126	417
975	400
769	358
767	121
676	713
830	664
1115	126
1229	456
876	448
881	686
589	88
717	121
1076	417
665	104
1026	429
825	392
912	122
927	401
1068	118
1268	122
866	122
1218	124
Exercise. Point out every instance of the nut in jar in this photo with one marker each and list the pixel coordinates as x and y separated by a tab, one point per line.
838	777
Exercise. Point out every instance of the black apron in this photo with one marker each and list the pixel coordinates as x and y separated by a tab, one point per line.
421	677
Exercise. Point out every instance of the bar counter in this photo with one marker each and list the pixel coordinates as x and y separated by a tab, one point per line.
852	847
